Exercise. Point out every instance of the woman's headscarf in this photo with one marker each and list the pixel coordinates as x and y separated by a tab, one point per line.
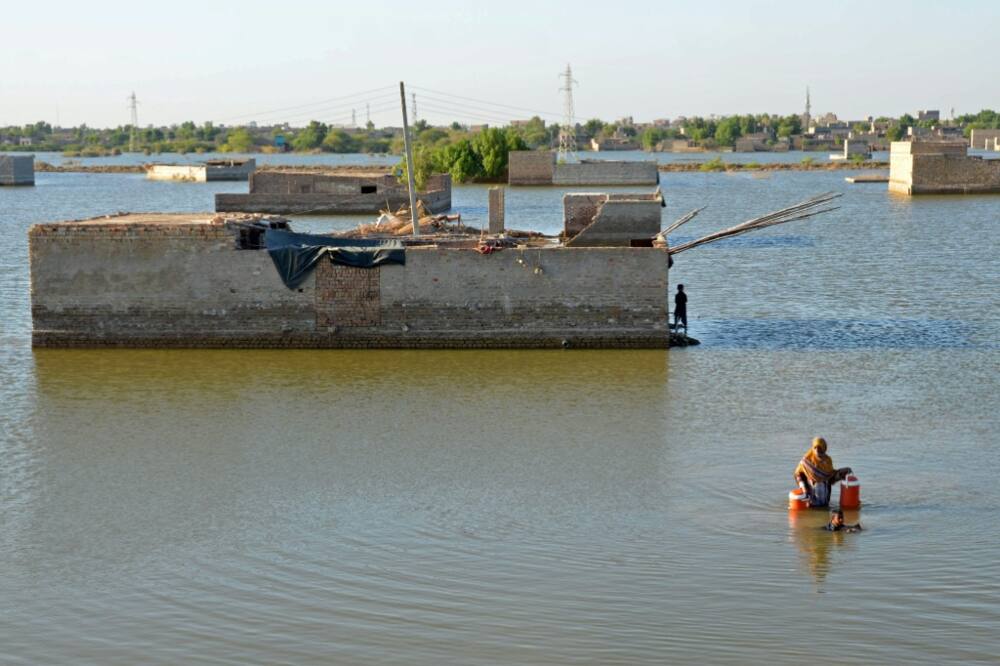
815	464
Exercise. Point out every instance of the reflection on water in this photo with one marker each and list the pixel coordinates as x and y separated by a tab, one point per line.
526	507
815	544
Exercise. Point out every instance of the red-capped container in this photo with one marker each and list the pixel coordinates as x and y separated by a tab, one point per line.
850	493
797	500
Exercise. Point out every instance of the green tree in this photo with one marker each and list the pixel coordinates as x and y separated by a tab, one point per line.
534	133
431	135
727	131
310	137
490	147
894	133
340	141
789	125
238	140
651	137
593	127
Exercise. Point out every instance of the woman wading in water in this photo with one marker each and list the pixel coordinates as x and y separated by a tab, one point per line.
815	473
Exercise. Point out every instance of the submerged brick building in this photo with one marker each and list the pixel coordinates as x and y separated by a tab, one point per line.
158	280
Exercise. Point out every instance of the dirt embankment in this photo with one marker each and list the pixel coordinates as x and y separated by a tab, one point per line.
782	166
89	168
346	169
360	169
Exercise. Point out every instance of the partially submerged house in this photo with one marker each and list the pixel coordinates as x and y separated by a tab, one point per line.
940	167
169	280
540	167
210	170
17	169
328	191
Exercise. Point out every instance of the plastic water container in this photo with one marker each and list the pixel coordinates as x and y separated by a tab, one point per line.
798	500
850	493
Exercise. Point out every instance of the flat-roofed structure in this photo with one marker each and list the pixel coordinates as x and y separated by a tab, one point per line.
210	170
329	191
17	169
539	167
940	167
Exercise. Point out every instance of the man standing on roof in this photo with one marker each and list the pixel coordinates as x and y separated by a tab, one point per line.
680	308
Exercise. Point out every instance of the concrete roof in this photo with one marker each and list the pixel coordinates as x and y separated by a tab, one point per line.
178	219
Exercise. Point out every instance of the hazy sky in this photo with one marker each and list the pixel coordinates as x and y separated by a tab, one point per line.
232	62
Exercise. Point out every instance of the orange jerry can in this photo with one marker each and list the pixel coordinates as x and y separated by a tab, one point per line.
797	500
850	493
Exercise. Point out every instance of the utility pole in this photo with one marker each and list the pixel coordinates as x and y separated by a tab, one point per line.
414	97
354	118
134	108
368	114
409	161
567	132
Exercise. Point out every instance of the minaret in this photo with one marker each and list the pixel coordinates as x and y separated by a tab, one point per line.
806	117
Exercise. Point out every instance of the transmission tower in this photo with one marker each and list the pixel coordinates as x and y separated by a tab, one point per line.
413	112
567	131
368	114
133	106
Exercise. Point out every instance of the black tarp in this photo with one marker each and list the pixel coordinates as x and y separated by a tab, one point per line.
295	255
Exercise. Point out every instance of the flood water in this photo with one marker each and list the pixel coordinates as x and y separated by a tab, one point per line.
542	507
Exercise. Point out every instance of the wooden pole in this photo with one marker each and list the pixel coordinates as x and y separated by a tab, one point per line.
414	216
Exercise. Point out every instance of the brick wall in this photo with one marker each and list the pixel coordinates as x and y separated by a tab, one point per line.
530	167
346	296
600	172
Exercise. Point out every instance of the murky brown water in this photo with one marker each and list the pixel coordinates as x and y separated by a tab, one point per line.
527	507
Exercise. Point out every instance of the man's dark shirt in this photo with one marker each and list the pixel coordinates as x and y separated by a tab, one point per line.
680	302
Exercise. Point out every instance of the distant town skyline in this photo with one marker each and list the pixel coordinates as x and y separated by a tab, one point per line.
234	63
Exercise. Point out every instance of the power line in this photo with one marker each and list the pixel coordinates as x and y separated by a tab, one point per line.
455	114
472	99
316	113
302	106
465	106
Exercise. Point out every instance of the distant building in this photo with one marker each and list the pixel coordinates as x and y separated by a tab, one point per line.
25	141
613	143
985	139
933	116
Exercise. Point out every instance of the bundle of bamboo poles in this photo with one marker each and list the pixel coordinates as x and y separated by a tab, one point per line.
799	211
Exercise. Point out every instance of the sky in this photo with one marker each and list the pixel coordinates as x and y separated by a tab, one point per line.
234	62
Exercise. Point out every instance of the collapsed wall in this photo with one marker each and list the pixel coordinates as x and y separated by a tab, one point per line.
302	191
526	167
611	220
940	167
17	169
183	281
